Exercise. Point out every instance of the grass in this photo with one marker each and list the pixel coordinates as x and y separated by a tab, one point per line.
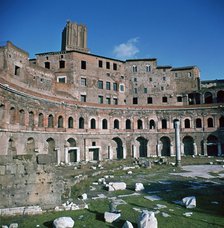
208	213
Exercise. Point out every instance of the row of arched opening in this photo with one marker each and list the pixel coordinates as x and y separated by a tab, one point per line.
188	123
213	147
209	98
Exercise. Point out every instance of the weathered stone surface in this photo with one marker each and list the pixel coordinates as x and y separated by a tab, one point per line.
2	170
113	186
33	210
14	225
139	187
43	159
127	224
147	219
111	217
189	202
63	222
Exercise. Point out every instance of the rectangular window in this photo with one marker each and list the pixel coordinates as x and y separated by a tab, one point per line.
179	99
135	90
108	65
134	69
135	100
115	86
150	79
83	98
115	101
121	88
148	68
100	63
107	85
145	90
114	66
47	65
108	100
164	78
61	79
164	99
83	81
17	70
135	79
61	64
83	65
100	99
100	84
149	100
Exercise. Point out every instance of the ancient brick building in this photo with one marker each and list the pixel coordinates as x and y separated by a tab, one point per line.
72	105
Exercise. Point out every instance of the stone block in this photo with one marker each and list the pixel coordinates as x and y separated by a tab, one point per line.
111	217
2	170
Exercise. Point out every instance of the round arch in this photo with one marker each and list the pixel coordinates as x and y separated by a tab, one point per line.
188	142
165	150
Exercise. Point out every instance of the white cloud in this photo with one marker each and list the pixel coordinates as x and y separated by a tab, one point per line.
126	50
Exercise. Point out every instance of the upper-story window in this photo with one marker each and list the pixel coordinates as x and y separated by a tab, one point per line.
83	98
150	79
100	84
17	70
135	90
149	100
62	79
121	87
145	90
107	85
108	65
100	63
61	64
135	100
115	86
47	65
83	81
114	66
134	69
189	74
115	100
148	68
83	65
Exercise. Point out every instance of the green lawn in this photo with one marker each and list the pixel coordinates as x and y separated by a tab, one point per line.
157	180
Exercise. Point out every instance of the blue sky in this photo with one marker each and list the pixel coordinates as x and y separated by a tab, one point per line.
176	32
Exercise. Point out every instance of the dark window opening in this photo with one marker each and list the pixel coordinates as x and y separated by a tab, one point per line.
128	124
140	125
198	123
61	64
164	99
81	123
164	124
187	123
100	63
108	65
83	98
47	65
151	124
93	124
135	100
100	84
210	122
115	86
149	100
114	66
17	70
61	80
116	124
107	85
83	65
179	99
104	124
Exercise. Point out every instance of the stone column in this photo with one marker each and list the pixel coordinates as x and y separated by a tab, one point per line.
195	149
66	155
177	142
172	150
78	154
58	155
205	148
219	149
158	147
124	152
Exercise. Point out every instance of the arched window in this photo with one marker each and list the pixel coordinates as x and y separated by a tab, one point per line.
128	124
198	123
152	124
210	122
40	120
104	124
187	123
164	124
93	124
220	96
208	98
12	115
70	122
221	122
22	117
81	123
60	122
31	119
140	125
50	121
116	124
